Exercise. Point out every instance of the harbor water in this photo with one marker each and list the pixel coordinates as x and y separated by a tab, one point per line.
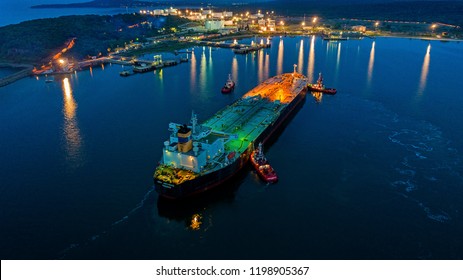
373	172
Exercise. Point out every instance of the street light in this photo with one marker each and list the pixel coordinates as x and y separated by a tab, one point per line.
314	21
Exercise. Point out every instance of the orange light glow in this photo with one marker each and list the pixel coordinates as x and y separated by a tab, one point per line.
195	222
280	91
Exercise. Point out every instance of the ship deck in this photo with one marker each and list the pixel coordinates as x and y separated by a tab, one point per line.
248	117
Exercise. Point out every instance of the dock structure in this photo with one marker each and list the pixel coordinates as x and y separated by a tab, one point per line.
26	71
248	49
237	48
142	66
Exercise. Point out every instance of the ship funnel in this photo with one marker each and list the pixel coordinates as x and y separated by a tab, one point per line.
184	139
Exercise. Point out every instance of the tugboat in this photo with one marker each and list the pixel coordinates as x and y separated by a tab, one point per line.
262	166
320	87
229	85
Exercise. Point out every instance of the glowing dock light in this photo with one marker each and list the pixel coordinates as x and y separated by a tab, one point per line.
314	20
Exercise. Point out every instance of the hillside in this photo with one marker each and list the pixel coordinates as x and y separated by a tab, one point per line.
36	41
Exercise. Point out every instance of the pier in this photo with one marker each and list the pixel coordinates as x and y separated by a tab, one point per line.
26	71
237	48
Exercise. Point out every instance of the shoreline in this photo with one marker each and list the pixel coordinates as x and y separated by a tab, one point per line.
420	38
25	70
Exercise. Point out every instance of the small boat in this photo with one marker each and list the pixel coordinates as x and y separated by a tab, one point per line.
124	73
48	79
320	87
229	85
262	166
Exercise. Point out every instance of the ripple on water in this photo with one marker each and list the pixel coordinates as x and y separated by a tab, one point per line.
423	161
426	156
94	237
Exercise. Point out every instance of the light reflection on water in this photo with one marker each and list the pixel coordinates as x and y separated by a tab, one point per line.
193	69
310	68
260	65
267	64
234	67
338	59
371	63
424	70
280	57
71	129
160	76
203	71
210	64
300	60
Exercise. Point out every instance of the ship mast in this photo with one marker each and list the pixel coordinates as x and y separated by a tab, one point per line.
194	122
259	155
320	79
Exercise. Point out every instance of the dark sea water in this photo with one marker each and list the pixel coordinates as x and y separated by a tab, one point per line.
374	172
6	71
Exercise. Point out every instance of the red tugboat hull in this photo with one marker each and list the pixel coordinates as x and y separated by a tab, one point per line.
265	171
228	89
320	87
229	85
324	90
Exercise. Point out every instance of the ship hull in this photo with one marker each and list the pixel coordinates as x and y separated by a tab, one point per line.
212	180
331	91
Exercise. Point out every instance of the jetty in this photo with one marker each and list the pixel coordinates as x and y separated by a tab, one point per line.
237	48
26	71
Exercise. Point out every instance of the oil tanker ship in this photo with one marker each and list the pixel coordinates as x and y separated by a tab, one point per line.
198	157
